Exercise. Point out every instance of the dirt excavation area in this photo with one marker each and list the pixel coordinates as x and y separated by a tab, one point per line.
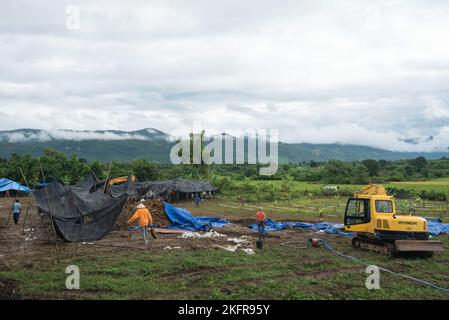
223	263
32	240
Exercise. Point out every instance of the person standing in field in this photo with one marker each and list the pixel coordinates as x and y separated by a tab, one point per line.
261	223
197	200
16	210
145	220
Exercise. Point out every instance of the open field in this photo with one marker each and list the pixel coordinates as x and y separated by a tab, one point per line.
307	202
119	267
437	185
302	188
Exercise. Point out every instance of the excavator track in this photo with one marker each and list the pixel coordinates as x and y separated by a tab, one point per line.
373	245
423	248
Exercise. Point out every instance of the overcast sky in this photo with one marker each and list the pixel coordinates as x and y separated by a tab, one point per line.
363	72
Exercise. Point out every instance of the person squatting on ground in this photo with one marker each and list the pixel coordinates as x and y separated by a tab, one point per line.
261	223
145	220
16	210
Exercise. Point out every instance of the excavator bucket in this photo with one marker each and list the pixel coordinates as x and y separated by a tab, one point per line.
419	246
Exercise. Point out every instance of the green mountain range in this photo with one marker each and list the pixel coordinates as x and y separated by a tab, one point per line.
155	145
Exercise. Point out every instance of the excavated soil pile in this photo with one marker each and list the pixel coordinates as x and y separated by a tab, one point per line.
156	208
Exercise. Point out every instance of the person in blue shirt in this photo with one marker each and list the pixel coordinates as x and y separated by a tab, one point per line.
16	210
197	200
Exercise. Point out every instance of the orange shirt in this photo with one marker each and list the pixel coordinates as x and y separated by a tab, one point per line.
260	216
144	217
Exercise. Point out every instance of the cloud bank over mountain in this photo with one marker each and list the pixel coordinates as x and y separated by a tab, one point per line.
30	135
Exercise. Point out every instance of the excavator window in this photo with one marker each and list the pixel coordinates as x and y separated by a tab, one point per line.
384	206
357	211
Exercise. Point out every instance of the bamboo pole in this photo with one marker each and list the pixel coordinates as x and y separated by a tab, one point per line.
107	178
34	200
51	215
9	217
28	208
25	219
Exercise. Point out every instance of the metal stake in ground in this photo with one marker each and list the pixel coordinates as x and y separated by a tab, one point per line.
51	215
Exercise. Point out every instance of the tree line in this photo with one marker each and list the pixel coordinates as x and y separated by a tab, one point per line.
72	169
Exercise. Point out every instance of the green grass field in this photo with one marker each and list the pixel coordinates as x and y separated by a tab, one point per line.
277	273
438	185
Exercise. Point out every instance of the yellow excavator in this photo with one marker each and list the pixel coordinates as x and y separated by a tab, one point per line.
120	180
371	215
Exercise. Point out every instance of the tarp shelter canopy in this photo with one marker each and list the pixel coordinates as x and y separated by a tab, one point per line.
9	185
176	185
82	212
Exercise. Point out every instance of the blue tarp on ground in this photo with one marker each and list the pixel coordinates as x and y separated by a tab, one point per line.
435	227
183	219
327	227
9	185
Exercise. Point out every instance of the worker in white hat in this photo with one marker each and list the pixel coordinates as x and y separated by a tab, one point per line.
145	220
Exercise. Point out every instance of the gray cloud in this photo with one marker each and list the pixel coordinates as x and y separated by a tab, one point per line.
372	73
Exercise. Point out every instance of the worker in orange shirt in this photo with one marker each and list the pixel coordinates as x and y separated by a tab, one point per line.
261	223
145	220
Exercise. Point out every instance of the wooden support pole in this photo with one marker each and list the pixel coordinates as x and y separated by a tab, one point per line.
34	200
9	217
25	219
107	178
51	215
29	204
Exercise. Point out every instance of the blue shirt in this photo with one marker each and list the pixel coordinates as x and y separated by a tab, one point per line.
16	207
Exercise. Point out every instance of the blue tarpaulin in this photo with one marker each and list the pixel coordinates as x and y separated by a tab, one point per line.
9	185
327	227
183	219
435	227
